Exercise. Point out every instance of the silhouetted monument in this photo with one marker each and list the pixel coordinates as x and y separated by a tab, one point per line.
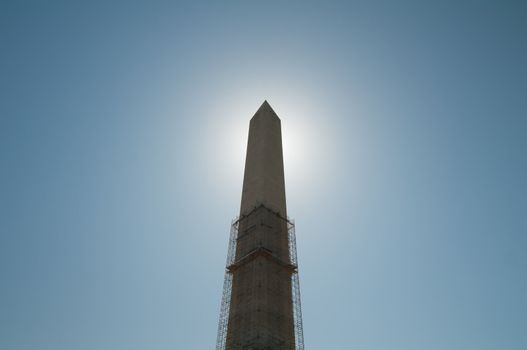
261	299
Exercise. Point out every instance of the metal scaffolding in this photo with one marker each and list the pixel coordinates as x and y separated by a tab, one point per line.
221	340
295	288
227	289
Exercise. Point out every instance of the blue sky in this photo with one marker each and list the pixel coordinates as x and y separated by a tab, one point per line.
122	137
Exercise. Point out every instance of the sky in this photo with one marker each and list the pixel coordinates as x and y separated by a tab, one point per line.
123	127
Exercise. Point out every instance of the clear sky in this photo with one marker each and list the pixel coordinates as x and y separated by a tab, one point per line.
122	137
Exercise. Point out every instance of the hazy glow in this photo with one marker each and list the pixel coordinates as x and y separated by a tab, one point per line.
307	144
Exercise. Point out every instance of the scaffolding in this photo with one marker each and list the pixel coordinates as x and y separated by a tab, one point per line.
227	289
221	340
295	288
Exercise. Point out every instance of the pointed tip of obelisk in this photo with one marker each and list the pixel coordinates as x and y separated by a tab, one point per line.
265	106
265	110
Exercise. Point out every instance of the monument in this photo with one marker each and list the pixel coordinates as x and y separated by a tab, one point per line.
260	307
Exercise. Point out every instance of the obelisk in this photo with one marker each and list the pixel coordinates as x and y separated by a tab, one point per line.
261	310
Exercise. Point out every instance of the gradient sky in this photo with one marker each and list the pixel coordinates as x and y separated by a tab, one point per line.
122	137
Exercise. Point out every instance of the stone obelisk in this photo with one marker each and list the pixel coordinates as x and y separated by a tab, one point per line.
261	310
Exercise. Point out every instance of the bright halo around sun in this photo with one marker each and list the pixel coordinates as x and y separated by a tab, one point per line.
305	147
306	135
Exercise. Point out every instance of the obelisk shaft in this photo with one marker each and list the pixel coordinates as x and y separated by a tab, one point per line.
263	181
